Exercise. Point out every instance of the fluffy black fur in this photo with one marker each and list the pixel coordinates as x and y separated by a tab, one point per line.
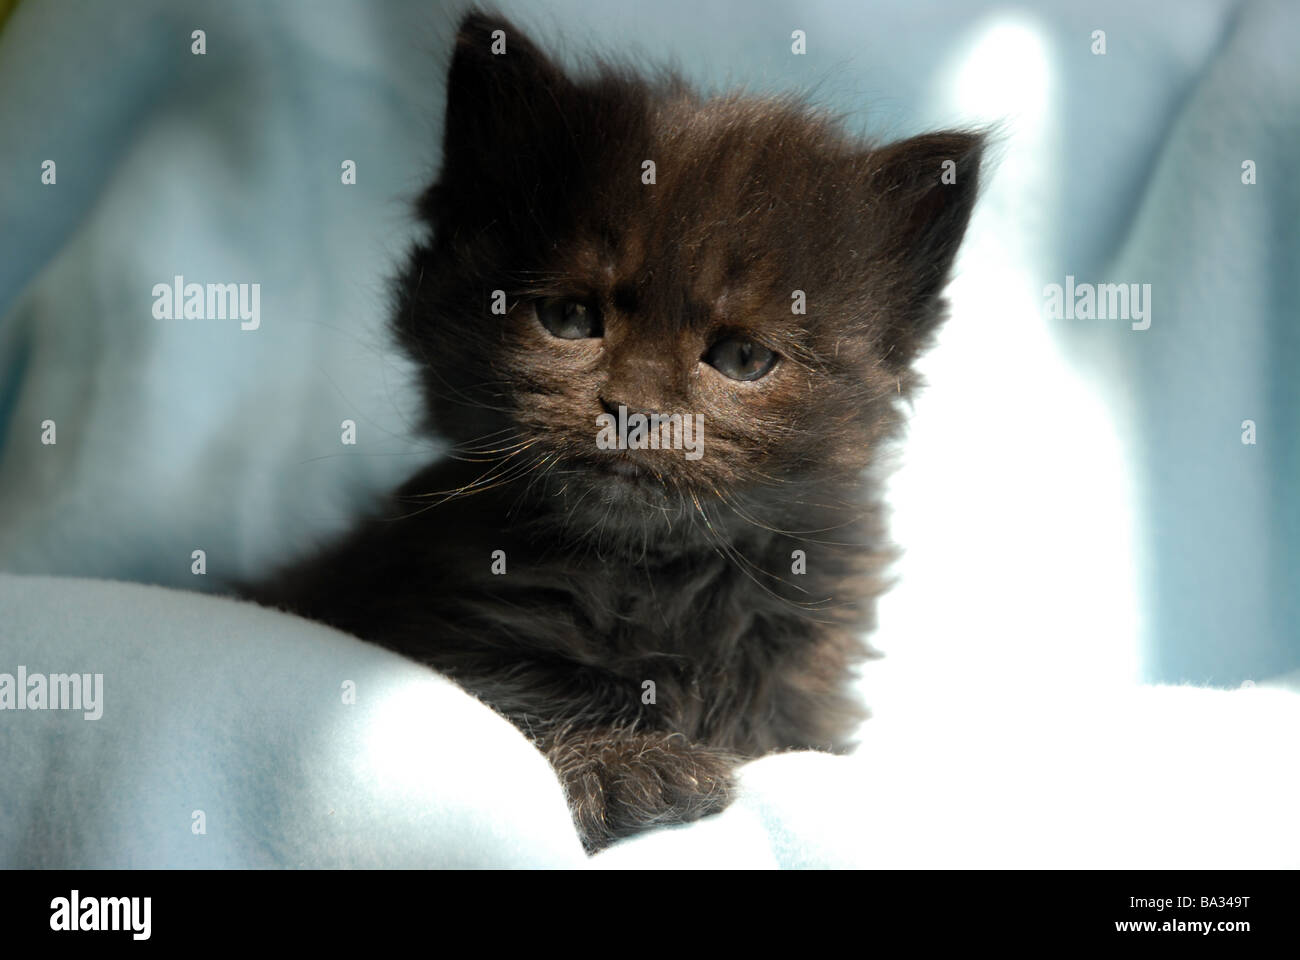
626	567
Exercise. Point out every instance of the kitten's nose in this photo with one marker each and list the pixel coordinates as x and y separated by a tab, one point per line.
639	378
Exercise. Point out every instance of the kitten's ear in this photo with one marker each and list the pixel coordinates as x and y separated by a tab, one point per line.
501	92
924	189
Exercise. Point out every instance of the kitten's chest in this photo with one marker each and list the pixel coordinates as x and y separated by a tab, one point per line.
697	612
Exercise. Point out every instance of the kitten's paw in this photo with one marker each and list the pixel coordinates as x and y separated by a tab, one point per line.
621	782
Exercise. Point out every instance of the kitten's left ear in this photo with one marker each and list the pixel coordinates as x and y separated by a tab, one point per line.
504	95
924	190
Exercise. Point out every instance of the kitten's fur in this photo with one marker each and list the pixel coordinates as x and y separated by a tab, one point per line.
681	574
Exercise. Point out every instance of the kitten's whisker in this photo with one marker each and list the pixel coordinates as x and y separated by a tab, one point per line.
503	473
510	433
424	452
748	567
801	535
476	455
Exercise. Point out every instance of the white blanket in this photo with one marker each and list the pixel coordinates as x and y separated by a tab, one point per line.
227	735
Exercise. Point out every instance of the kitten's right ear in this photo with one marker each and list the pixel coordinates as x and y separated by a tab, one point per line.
924	190
502	92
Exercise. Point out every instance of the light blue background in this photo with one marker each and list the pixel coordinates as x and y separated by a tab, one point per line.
182	434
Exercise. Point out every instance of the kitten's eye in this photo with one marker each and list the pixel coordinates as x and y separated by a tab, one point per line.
740	359
568	319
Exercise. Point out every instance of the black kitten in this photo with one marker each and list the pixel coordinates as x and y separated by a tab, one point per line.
613	246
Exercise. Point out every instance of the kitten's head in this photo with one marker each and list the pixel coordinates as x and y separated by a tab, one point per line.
739	259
